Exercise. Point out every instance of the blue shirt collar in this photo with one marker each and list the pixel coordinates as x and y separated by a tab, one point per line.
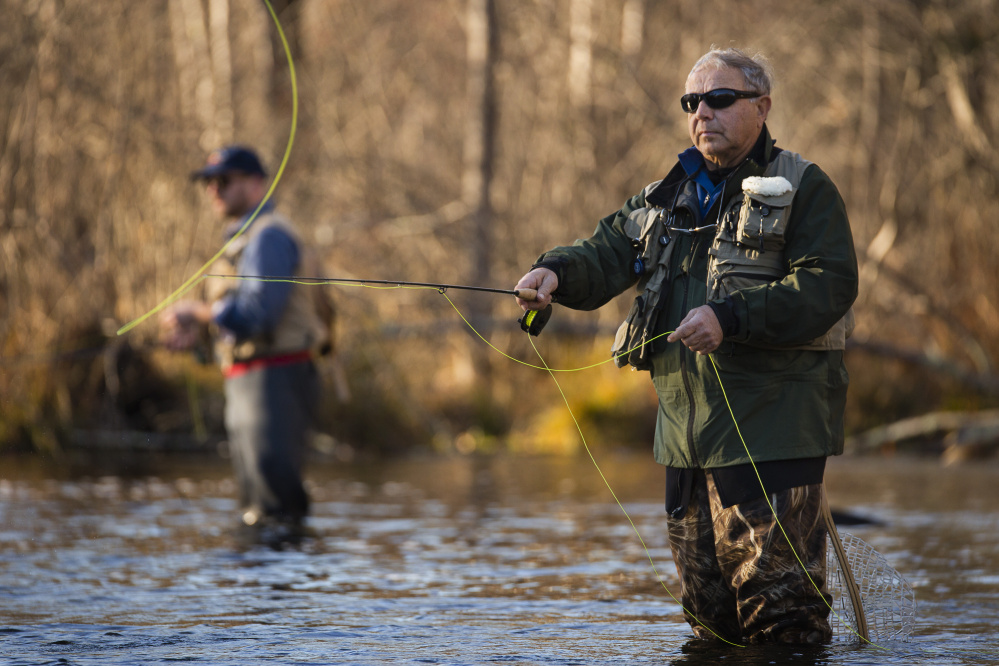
707	192
691	160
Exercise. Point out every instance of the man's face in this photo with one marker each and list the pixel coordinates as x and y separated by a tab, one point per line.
231	194
724	136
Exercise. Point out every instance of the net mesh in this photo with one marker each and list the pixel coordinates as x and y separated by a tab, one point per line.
888	600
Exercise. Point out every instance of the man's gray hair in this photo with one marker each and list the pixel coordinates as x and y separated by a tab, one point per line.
755	69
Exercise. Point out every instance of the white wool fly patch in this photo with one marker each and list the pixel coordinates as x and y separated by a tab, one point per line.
766	187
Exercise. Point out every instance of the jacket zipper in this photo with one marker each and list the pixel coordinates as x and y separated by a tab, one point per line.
686	379
686	352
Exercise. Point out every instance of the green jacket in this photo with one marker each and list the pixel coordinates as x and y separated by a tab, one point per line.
788	400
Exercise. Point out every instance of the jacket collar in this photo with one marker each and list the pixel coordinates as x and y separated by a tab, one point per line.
762	154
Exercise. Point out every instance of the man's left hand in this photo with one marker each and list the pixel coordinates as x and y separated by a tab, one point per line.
699	331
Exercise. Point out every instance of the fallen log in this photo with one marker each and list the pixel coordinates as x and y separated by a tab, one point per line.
972	442
952	429
983	383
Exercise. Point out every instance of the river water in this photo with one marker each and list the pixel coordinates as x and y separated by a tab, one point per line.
442	560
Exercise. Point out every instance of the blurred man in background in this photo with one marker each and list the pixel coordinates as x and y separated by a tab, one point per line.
266	335
744	252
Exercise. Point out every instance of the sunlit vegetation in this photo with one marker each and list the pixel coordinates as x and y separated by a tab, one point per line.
416	159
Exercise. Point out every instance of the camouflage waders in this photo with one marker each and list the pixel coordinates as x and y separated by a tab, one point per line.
739	577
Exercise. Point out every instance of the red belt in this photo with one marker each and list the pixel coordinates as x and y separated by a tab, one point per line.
239	368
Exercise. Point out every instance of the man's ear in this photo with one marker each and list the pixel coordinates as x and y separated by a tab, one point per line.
763	107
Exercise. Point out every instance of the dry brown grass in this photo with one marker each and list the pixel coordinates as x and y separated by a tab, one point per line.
107	106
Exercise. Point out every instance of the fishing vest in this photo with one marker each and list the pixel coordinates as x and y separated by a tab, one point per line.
305	324
747	250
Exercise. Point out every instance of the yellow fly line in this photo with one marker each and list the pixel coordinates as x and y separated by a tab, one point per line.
199	274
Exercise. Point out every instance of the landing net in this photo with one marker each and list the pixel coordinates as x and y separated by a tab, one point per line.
888	600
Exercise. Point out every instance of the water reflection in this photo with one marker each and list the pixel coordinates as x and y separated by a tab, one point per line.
710	653
464	560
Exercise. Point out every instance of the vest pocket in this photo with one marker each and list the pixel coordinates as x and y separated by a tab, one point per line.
734	265
725	283
763	220
632	337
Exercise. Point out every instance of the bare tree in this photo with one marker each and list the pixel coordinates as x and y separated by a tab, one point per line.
426	151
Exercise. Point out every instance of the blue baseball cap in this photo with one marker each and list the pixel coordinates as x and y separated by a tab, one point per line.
230	159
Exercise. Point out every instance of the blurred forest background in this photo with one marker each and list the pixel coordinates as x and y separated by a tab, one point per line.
453	141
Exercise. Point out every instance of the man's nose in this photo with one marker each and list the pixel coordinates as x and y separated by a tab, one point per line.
703	110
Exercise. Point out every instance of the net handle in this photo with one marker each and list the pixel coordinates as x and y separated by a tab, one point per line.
851	584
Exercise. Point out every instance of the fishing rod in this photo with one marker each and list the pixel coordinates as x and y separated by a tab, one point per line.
526	294
532	322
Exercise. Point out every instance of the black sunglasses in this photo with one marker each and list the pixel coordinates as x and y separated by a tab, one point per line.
220	182
719	98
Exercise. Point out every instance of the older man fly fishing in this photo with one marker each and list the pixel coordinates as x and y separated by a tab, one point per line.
744	252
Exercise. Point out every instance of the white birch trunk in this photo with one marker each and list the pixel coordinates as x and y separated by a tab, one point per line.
218	26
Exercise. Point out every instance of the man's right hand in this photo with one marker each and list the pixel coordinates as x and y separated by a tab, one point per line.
542	280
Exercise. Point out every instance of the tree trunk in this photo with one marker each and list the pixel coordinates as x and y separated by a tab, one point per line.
632	21
479	154
221	51
192	55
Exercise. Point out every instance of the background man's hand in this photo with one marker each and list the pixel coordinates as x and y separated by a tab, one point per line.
699	331
544	281
180	324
